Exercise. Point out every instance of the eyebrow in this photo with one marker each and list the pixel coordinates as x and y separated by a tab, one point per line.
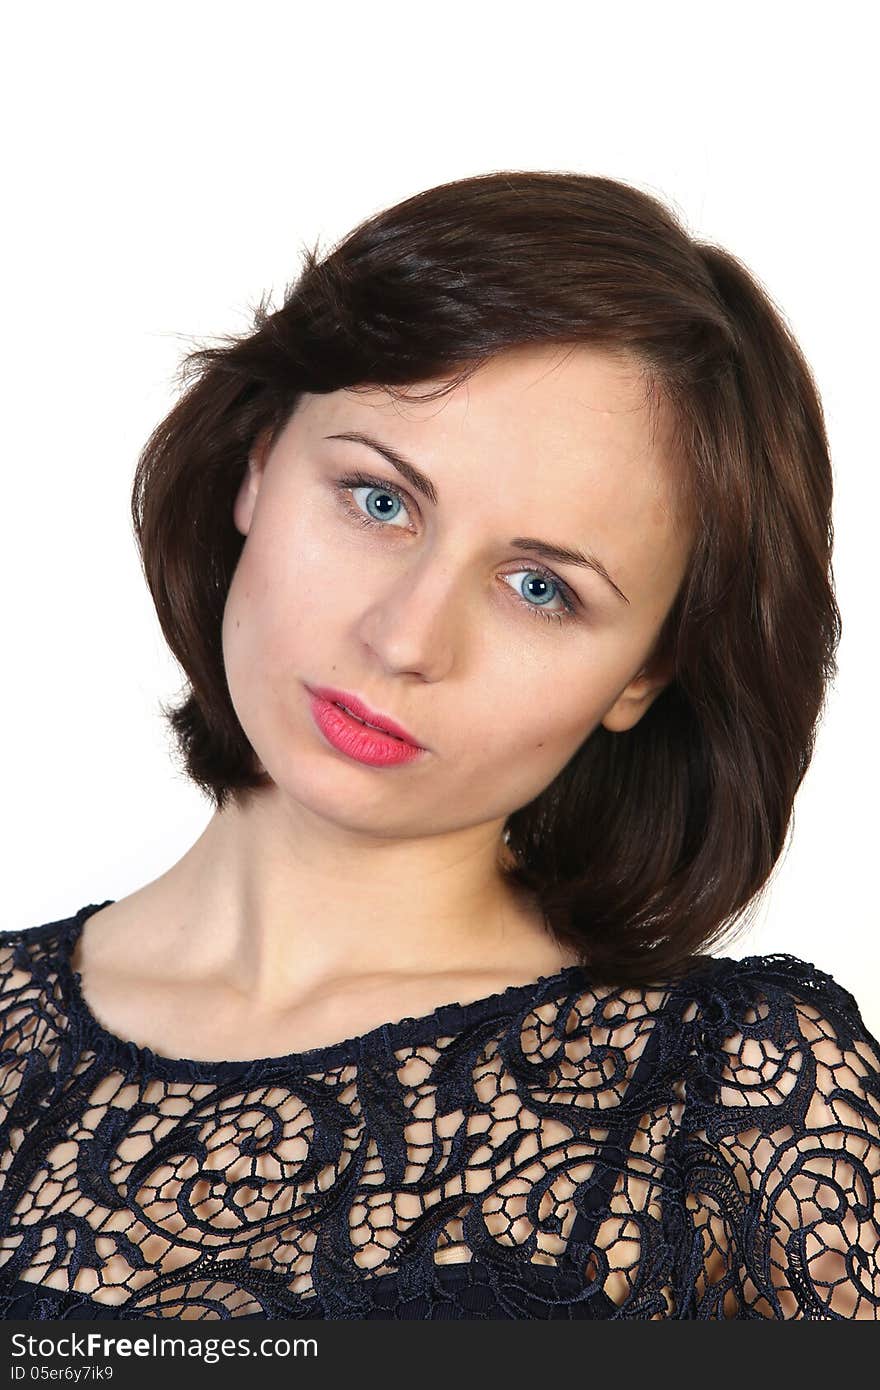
557	554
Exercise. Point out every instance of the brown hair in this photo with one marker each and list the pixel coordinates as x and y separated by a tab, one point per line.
653	843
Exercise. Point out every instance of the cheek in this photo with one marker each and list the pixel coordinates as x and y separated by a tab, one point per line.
528	726
282	592
519	741
241	633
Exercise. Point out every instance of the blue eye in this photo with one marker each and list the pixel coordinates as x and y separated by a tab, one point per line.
545	576
383	492
355	481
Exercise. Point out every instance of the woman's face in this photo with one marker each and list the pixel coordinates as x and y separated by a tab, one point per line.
433	615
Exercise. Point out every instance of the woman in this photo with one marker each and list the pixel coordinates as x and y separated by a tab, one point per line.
425	1023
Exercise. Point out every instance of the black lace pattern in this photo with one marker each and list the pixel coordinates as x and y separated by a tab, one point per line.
705	1149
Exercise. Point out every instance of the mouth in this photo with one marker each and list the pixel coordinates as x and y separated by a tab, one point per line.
381	729
372	719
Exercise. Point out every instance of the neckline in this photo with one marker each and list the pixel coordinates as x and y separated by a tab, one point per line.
444	1020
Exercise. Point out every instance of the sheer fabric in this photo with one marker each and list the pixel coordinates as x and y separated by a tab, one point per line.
708	1148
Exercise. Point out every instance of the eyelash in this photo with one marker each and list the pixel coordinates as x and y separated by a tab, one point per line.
364	480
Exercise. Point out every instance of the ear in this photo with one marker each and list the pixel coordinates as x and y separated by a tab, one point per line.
637	697
243	507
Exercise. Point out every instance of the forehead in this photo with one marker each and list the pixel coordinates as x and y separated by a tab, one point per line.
529	378
541	405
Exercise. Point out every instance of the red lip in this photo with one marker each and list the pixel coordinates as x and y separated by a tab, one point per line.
357	706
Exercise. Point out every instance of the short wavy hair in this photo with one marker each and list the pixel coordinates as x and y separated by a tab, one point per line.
650	844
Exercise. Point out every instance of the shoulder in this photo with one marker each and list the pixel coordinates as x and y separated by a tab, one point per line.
33	973
727	1021
772	1032
780	1151
34	950
35	1013
777	972
779	997
722	1012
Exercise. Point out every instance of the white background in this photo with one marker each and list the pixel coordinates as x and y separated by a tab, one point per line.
163	167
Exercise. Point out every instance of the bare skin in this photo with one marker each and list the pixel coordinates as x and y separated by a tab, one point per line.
343	896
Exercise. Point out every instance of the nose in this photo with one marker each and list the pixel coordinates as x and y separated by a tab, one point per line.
416	622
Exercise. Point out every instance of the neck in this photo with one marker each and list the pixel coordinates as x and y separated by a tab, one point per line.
271	899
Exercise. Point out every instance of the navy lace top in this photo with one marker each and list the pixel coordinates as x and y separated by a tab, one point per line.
703	1149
